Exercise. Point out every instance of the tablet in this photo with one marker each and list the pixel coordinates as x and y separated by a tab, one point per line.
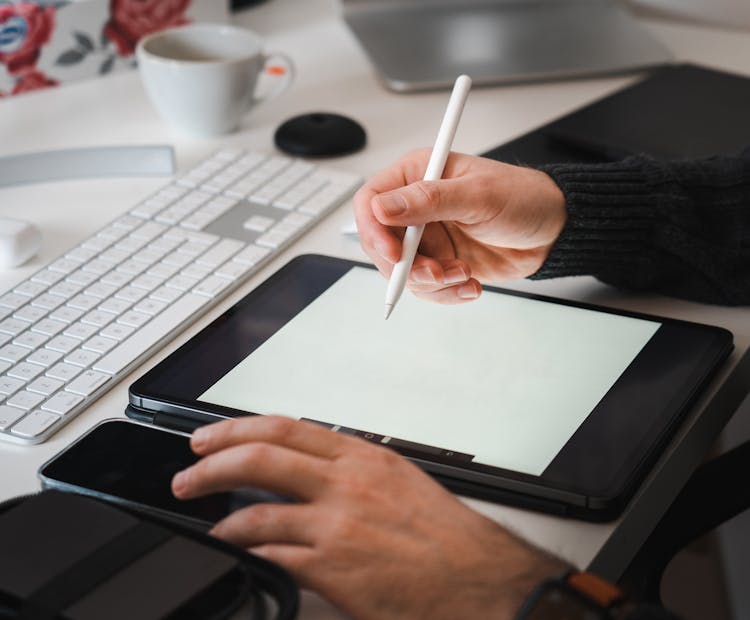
536	401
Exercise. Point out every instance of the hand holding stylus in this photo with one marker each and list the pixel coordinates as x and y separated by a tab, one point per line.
434	171
484	221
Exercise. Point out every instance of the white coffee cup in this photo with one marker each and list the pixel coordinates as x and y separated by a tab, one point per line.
202	78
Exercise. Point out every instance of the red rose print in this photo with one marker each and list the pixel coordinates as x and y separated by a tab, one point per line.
132	19
32	80
24	28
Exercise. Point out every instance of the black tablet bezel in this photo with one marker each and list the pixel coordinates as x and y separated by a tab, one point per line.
580	481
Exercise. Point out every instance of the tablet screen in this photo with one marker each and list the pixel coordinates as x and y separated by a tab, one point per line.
504	379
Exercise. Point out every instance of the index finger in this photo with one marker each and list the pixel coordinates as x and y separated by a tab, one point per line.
379	241
306	437
408	169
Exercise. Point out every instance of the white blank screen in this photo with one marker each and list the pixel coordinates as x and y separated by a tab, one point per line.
504	378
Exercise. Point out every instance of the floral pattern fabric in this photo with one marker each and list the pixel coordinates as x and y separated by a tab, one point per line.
46	42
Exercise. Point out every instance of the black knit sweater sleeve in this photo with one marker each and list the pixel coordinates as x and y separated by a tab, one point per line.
680	228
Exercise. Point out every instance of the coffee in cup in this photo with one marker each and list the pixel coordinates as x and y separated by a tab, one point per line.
202	78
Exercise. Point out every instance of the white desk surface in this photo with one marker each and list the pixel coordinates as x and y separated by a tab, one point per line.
333	75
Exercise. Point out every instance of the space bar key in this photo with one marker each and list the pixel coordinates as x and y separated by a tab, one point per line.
151	333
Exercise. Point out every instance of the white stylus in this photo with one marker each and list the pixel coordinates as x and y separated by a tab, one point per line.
434	171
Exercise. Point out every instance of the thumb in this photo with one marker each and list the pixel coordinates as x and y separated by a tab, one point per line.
423	202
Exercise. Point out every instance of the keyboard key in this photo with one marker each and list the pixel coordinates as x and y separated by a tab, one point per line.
47	276
81	255
100	290
273	239
30	340
162	270
25	371
30	314
134	319
97	318
196	271
84	278
9	385
117	331
45	386
150	306
251	255
97	266
99	344
30	289
98	244
220	253
25	400
259	223
13	326
81	357
126	353
13	300
43	357
114	306
66	314
48	327
63	344
116	278
62	403
47	301
84	302
181	283
63	371
164	293
63	265
131	294
34	424
81	331
65	289
212	286
9	416
13	353
232	270
87	383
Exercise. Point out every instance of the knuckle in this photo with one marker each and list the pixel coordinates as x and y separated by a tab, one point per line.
259	514
253	454
418	153
430	190
342	527
388	458
278	427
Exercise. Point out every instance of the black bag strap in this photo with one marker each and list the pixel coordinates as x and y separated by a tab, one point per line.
263	579
59	593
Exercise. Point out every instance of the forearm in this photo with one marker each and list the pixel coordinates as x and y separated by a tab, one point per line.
679	228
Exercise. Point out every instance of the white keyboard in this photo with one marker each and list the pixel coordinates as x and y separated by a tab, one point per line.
72	330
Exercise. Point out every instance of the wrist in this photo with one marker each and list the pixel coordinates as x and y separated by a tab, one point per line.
522	568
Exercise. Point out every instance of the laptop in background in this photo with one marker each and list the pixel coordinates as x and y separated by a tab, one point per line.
424	44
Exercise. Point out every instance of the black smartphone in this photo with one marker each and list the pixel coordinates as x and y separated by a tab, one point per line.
132	464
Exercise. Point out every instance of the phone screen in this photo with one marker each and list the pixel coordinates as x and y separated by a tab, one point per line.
134	464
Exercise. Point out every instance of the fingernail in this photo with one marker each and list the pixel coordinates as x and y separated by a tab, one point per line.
179	482
454	275
392	203
424	275
468	291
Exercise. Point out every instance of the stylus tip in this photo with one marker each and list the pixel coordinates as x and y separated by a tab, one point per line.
388	310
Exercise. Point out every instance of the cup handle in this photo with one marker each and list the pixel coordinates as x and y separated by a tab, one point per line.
285	71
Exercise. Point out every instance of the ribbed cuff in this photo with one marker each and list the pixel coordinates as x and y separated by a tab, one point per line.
611	210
